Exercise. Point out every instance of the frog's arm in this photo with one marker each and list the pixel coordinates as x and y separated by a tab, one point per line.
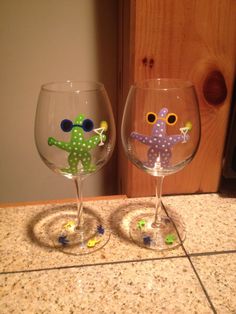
141	138
179	138
62	145
95	140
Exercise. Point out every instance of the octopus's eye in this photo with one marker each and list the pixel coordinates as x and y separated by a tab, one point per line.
171	118
66	125
151	117
87	125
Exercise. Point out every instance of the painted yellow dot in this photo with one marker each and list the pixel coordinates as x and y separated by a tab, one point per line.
189	125
104	125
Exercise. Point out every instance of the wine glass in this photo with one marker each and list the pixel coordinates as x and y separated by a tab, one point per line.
75	137
160	134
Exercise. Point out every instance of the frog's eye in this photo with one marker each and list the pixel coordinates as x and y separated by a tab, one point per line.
87	125
171	119
66	125
151	117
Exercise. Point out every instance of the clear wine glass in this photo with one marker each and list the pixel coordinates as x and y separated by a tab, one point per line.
160	134
75	137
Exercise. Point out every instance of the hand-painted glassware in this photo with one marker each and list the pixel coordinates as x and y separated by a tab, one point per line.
160	135
75	137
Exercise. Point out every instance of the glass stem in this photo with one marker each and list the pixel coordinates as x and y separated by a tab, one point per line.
78	185
158	185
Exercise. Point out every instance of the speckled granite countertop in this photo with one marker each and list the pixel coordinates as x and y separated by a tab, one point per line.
198	277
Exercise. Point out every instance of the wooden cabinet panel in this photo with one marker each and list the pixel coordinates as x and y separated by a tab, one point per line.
193	40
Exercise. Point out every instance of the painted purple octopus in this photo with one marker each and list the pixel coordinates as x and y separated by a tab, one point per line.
159	153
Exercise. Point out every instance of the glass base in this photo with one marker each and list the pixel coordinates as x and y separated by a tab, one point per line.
57	229
168	234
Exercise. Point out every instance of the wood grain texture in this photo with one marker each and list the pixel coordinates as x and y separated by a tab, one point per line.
181	39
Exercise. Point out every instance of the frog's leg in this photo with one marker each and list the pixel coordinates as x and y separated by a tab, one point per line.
73	160
151	157
165	158
86	162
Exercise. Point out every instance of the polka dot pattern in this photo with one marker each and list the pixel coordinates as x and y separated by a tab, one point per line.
160	144
78	148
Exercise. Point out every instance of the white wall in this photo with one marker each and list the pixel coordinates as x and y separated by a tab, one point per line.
43	41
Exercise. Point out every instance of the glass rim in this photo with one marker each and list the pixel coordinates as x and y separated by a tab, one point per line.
181	82
72	86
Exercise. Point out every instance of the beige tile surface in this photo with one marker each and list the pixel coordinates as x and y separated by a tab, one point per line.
121	277
210	221
161	286
217	273
21	247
